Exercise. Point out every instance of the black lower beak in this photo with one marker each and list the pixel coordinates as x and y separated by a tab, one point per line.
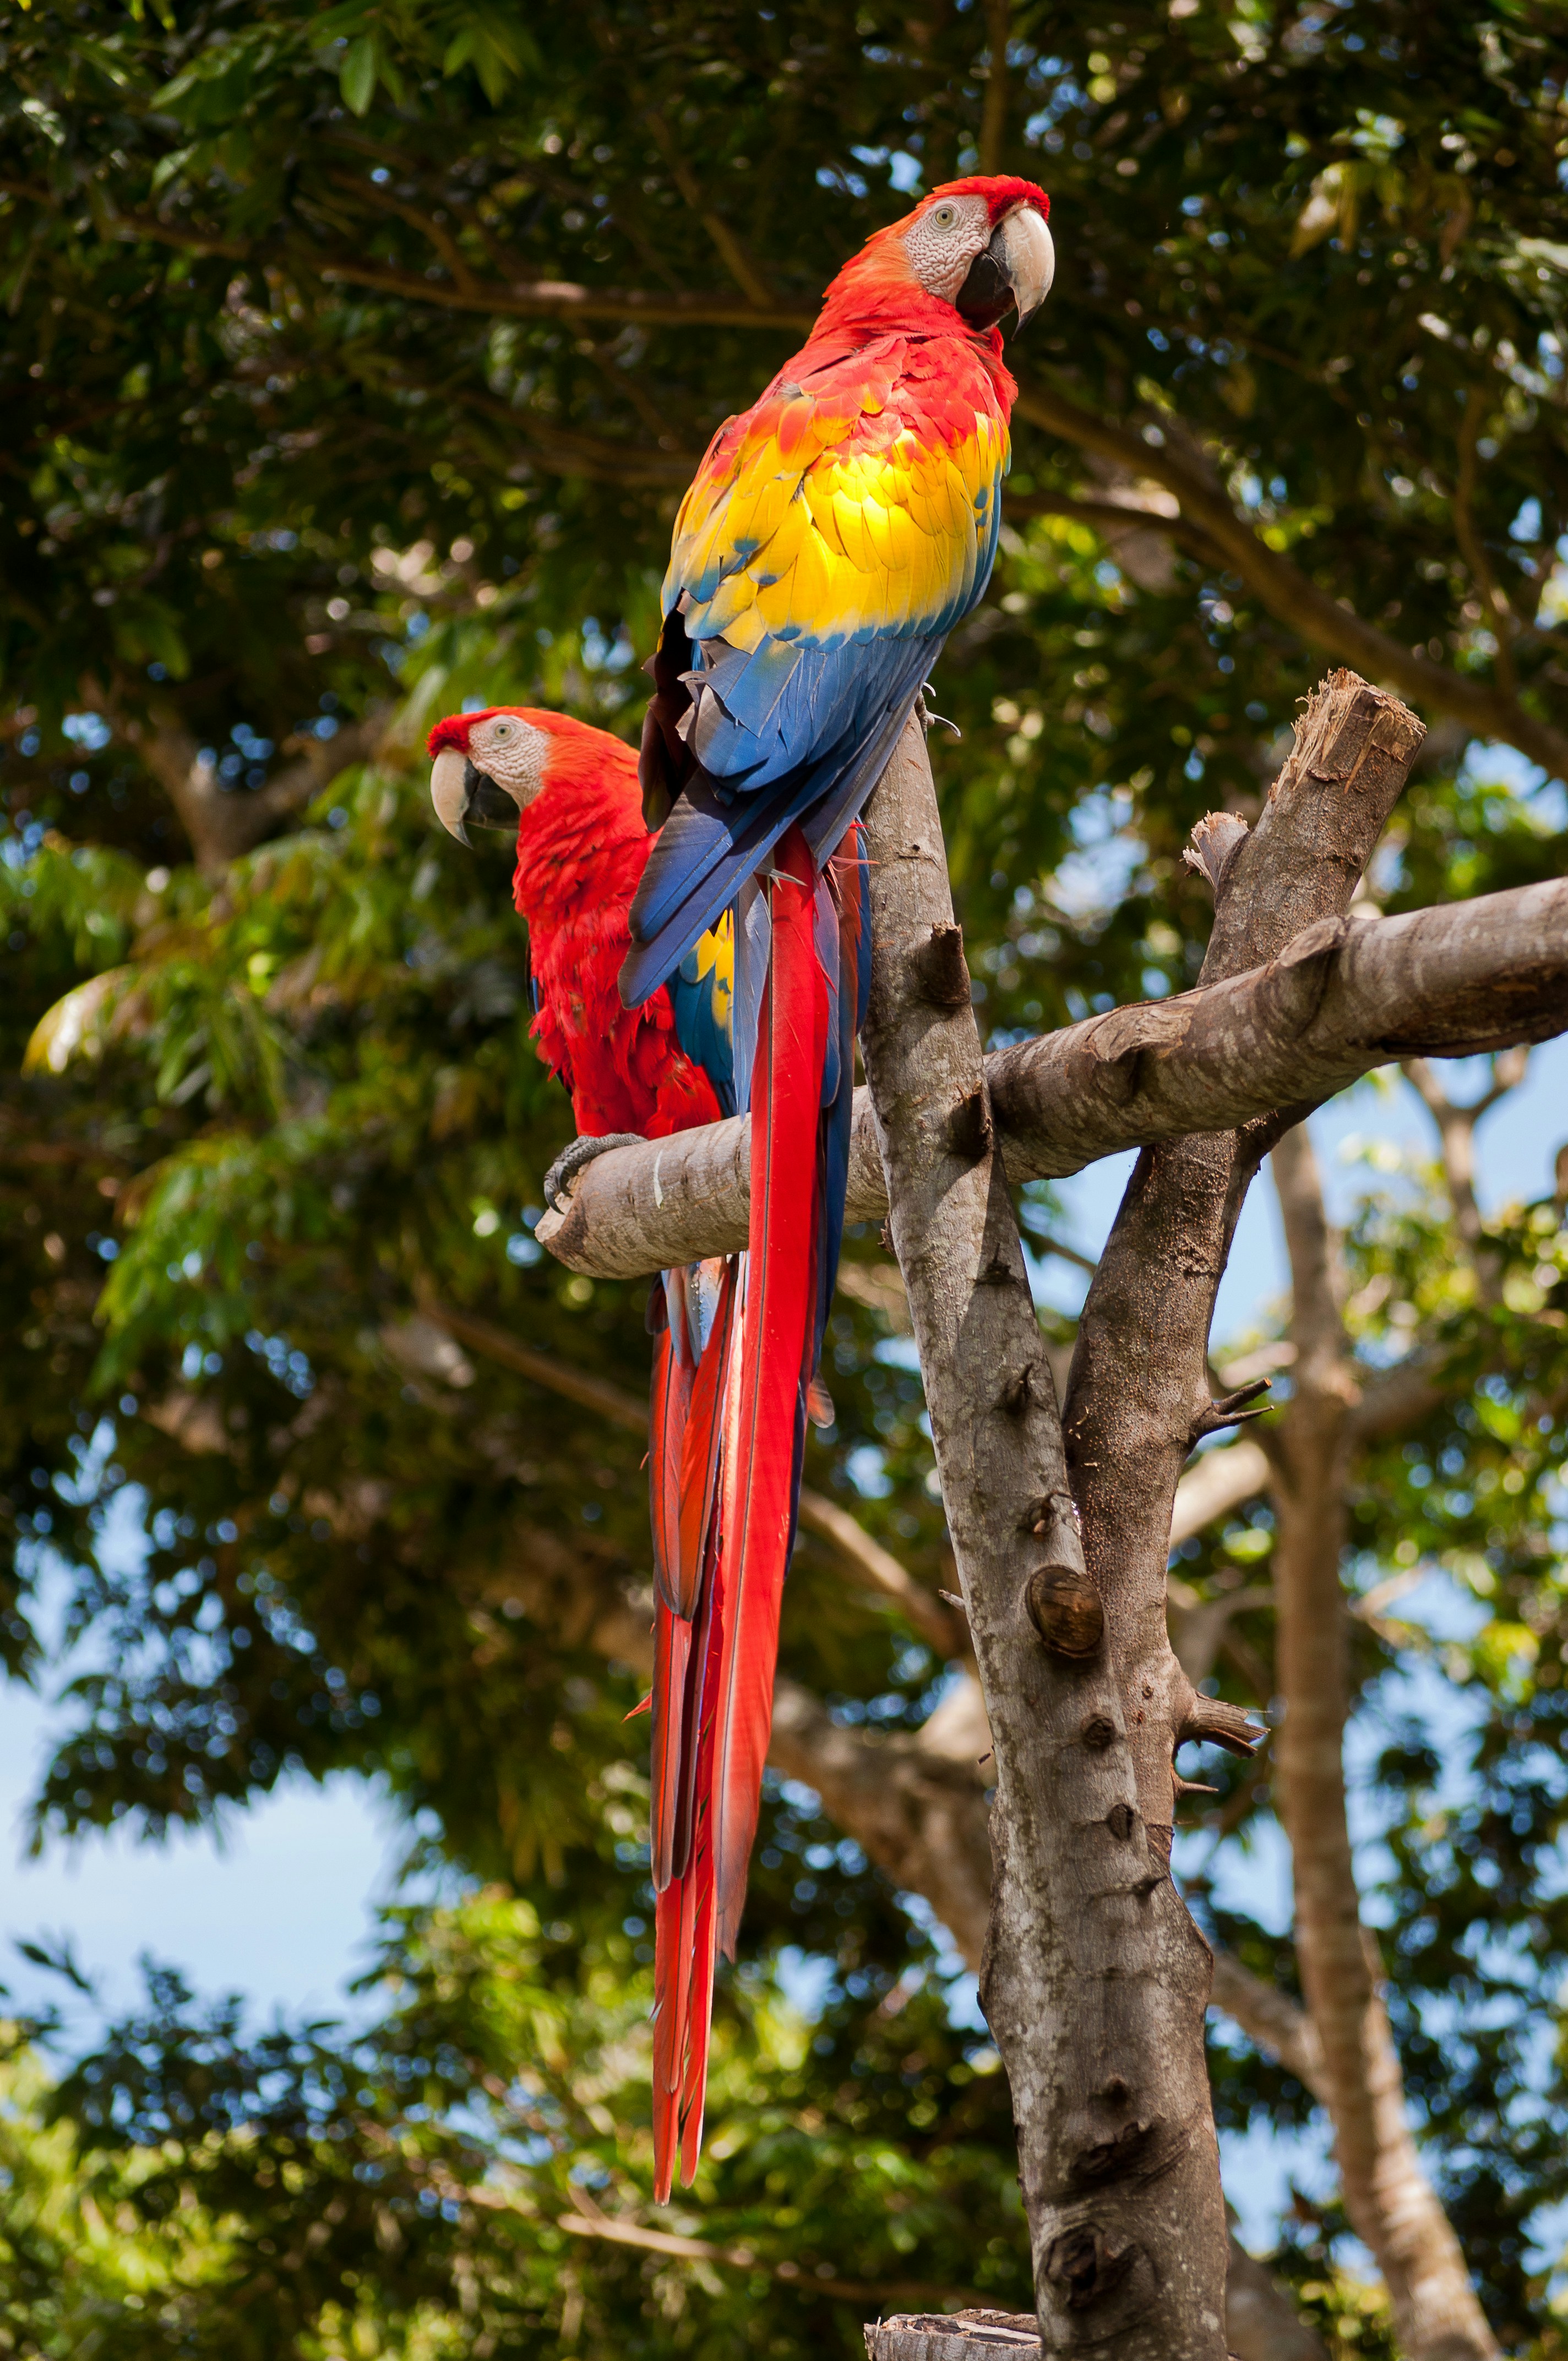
486	804
986	295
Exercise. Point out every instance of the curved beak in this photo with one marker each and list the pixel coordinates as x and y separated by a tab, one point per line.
1028	260
461	794
1014	274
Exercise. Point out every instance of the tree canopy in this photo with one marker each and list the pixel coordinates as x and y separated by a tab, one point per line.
355	358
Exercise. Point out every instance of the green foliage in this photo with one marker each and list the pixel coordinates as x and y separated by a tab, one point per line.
294	437
308	2191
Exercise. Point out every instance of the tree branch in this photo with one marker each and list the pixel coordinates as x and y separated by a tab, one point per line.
1220	1481
1270	2020
1505	622
1283	589
618	2231
1387	2196
1115	520
728	247
1286	592
521	298
1139	1392
223	825
993	113
1457	1140
1344	998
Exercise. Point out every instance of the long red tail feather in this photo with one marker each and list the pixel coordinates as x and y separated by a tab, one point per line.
675	1375
732	1441
760	1473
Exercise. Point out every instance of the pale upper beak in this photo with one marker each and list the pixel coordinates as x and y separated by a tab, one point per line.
460	793
1012	272
1028	260
449	791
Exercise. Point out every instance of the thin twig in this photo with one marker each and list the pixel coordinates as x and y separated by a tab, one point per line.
876	1568
621	2232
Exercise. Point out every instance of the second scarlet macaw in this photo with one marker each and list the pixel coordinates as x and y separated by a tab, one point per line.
833	535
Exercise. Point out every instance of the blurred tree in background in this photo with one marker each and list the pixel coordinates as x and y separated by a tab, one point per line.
354	360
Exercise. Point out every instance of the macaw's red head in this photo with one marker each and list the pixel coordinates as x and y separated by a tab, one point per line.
980	245
488	767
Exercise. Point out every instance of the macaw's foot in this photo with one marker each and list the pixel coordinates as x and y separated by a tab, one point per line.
569	1163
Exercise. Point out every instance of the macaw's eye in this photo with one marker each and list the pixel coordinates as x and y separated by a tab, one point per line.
503	729
945	217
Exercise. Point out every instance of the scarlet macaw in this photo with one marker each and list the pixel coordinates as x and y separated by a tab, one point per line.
834	534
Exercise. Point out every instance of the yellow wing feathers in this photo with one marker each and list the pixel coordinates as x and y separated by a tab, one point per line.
844	524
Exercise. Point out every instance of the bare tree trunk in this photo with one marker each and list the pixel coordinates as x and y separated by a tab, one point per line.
1387	2196
1094	1979
1456	1140
1261	2321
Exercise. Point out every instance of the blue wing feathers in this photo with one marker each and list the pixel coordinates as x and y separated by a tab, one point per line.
713	838
703	1025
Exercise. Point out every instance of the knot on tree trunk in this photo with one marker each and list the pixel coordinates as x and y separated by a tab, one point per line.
1066	1611
1084	2264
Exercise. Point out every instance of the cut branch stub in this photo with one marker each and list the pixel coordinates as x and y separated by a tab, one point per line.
1066	1611
940	970
969	1125
1216	839
954	2337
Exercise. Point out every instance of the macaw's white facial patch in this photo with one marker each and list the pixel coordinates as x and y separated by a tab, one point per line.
942	242
511	752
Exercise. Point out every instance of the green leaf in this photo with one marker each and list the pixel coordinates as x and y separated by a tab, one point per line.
358	78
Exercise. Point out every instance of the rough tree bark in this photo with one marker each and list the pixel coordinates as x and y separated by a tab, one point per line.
1261	2324
1387	2196
915	1802
1327	1005
1093	1981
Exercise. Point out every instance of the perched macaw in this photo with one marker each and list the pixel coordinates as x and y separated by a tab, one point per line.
833	535
571	794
